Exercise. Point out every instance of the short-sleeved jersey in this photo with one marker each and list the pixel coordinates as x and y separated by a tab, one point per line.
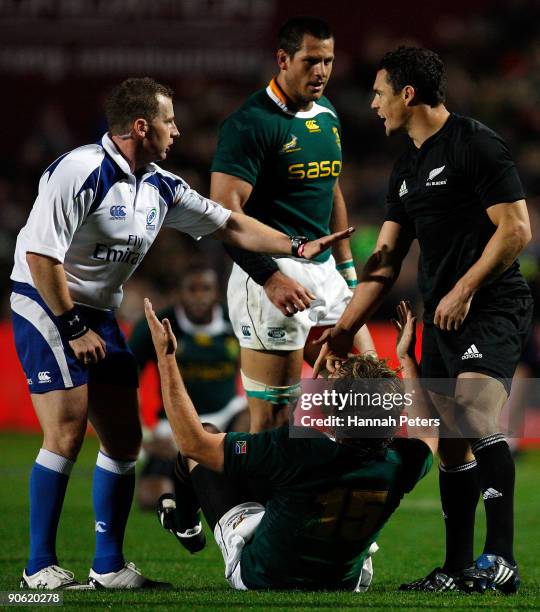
440	192
207	356
292	160
99	219
326	509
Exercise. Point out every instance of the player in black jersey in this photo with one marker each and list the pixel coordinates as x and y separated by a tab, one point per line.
456	190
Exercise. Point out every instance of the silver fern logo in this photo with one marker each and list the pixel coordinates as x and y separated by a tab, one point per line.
435	172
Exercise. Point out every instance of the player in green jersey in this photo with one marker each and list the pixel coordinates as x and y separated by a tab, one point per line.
208	358
278	159
330	496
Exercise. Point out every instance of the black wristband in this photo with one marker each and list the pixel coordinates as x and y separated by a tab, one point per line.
71	324
258	266
296	243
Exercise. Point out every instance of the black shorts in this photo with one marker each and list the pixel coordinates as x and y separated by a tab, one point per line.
490	341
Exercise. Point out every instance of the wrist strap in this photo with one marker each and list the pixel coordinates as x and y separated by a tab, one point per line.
297	245
71	324
348	271
349	263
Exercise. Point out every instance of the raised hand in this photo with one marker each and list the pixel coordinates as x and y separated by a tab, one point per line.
162	335
406	328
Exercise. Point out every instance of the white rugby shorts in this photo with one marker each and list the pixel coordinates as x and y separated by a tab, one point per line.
232	532
259	325
236	528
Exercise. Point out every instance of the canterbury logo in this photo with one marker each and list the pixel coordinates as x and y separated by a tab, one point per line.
44	377
312	125
118	212
435	172
100	526
338	138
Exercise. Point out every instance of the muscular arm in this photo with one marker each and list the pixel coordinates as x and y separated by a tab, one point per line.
405	324
379	274
513	233
284	292
340	221
233	193
50	281
511	236
190	436
248	233
343	256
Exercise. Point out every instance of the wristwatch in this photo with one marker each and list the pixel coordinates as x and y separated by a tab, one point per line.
297	245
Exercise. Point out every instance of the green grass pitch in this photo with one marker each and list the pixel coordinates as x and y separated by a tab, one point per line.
411	545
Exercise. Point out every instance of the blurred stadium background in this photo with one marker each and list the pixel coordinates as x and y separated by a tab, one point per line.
59	58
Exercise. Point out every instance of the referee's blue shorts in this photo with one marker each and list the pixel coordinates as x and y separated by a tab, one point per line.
48	361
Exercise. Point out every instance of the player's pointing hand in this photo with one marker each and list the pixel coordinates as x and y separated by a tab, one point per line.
315	247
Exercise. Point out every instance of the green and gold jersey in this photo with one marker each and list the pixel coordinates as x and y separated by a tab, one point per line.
327	506
207	356
292	159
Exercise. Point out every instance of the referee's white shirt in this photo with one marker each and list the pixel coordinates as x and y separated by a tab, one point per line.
99	219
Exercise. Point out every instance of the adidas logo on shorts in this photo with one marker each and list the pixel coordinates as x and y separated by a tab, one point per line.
491	494
472	353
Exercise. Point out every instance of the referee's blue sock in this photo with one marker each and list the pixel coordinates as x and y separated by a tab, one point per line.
48	483
113	487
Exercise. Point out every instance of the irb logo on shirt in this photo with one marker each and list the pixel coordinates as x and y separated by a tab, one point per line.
241	447
151	216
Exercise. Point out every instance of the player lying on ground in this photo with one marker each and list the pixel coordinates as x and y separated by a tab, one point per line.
308	535
98	211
